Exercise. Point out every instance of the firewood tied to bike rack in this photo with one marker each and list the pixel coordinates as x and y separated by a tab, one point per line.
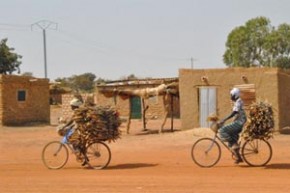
260	122
96	123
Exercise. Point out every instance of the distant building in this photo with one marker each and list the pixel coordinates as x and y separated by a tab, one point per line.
56	93
23	100
130	105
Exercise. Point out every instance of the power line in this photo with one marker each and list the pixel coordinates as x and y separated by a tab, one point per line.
14	27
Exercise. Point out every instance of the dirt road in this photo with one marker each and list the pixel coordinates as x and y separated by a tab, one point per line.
156	163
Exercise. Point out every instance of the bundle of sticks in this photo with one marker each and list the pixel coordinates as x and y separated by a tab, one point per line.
260	121
97	123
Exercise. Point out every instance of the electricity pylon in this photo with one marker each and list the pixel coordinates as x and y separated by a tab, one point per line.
43	25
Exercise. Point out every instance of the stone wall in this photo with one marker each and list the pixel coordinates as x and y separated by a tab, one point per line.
23	100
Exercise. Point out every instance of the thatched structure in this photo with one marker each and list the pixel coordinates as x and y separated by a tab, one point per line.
167	88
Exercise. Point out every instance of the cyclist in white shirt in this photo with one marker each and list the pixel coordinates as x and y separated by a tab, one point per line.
231	131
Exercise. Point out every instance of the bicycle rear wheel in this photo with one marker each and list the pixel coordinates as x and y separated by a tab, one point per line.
54	155
257	152
206	152
99	155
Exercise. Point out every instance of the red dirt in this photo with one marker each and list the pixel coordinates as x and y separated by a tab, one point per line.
156	163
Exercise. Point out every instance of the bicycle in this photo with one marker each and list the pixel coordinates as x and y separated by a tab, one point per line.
206	152
96	154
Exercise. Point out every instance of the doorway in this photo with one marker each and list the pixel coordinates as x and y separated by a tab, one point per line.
135	105
207	104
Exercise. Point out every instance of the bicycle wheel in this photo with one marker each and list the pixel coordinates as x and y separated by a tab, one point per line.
257	152
54	155
99	155
206	152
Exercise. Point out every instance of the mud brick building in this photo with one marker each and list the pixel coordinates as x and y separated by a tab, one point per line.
23	100
67	112
206	91
132	105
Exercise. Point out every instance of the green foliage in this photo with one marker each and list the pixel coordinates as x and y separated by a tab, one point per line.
29	74
79	83
258	43
85	82
8	60
129	77
100	81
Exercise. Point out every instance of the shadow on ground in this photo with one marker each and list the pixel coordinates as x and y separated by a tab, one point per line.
280	166
131	166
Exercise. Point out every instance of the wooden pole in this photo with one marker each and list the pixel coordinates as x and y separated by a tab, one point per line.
165	105
144	114
129	119
172	108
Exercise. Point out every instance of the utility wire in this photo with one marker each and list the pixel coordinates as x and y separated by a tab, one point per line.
78	40
14	27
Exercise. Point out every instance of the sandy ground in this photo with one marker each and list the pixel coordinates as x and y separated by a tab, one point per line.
156	163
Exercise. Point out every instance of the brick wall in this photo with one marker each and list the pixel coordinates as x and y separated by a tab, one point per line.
23	100
66	108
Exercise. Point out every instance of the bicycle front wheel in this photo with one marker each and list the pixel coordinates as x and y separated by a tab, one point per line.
54	155
206	152
257	152
99	155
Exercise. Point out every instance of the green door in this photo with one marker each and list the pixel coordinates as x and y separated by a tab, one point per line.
135	105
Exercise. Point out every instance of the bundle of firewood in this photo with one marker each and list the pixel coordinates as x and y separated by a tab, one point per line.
97	123
260	122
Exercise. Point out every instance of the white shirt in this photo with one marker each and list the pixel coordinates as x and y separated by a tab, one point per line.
239	108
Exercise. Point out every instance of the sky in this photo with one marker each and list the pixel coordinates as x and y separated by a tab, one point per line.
116	38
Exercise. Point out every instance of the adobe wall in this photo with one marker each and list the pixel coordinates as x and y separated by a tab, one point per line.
122	105
35	108
284	99
265	80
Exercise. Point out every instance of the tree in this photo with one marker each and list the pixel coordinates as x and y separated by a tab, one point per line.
79	83
9	61
129	77
258	43
282	47
29	74
100	81
84	82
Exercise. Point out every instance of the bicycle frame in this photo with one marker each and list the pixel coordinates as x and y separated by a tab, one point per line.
70	147
95	153
222	142
255	152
